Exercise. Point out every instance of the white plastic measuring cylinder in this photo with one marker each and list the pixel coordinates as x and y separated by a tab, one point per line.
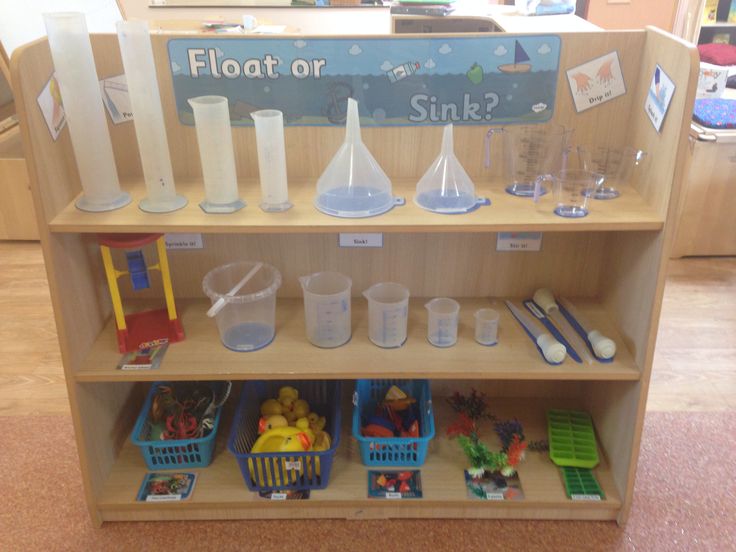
603	346
446	187
271	159
215	139
75	71
354	185
327	308
444	314
148	118
486	326
546	301
388	313
552	350
528	152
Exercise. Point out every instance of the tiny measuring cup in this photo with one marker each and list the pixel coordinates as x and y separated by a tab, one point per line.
388	312
572	189
327	308
443	319
615	165
486	326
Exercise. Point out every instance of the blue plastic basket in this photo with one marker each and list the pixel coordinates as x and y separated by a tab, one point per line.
175	453
279	471
393	451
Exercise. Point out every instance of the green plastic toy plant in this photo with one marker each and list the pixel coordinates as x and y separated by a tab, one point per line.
471	410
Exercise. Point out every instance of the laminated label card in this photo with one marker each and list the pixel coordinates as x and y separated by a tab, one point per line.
596	82
659	97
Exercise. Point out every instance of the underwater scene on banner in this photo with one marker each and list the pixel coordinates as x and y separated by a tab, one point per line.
508	79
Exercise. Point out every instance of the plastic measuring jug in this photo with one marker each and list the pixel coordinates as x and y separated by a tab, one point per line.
327	308
215	140
271	159
247	322
354	185
388	312
443	320
486	326
528	152
614	164
572	190
446	187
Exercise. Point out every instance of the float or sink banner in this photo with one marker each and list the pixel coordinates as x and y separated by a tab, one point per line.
397	81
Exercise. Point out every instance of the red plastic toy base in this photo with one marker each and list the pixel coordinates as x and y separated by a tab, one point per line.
147	326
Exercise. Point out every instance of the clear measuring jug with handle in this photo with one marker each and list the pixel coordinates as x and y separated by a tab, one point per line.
327	308
528	152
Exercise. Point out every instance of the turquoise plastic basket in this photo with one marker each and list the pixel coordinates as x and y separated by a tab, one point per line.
393	451
179	453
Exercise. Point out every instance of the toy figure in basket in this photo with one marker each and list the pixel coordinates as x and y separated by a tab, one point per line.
396	416
288	425
184	410
471	411
290	416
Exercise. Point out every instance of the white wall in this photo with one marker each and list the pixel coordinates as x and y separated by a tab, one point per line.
363	20
22	21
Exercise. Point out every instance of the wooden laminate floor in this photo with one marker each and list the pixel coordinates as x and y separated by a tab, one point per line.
694	363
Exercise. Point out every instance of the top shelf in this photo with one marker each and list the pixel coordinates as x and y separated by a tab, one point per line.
506	213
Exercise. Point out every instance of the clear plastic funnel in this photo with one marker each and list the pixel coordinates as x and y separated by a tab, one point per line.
353	185
446	187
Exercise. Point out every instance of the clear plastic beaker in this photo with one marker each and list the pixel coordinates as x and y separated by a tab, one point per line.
486	326
354	185
528	152
327	308
247	322
446	187
444	314
388	313
614	164
572	190
271	159
215	140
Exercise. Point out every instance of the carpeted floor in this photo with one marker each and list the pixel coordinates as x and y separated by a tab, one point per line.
685	499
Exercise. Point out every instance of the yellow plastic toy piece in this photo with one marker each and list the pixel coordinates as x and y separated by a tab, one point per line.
112	282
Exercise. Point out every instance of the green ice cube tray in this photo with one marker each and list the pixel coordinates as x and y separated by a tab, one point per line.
571	439
581	481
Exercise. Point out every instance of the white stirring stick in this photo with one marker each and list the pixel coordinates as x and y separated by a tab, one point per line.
220	303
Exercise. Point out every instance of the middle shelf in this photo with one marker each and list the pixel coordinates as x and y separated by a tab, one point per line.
201	356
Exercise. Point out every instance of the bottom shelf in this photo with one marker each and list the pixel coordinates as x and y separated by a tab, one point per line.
220	492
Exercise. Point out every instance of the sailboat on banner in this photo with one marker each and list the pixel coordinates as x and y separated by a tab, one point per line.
520	56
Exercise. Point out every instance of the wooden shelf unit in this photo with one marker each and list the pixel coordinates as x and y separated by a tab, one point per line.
508	213
221	490
291	355
611	262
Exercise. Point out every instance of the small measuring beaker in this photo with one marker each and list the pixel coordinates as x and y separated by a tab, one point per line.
486	326
528	152
443	320
616	165
327	308
388	312
572	189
